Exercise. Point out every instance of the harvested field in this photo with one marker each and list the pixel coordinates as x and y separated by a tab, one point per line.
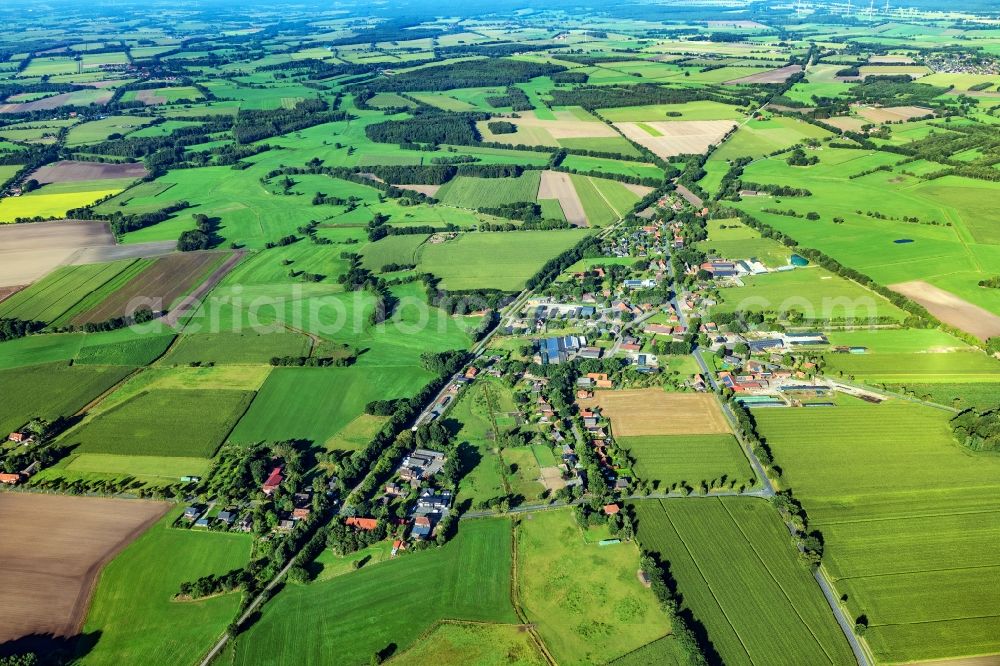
53	102
779	75
29	251
70	171
678	137
655	412
638	190
890	60
690	196
52	551
429	190
192	301
7	292
951	309
846	123
892	113
537	131
159	286
559	186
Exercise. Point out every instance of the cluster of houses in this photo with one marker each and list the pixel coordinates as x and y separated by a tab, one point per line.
22	438
415	473
599	440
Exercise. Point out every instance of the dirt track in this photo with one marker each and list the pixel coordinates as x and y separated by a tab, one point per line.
558	185
52	550
951	309
68	171
656	412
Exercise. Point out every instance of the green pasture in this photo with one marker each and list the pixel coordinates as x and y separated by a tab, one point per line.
666	460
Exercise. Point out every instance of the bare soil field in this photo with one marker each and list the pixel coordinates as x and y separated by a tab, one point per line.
7	292
951	309
779	75
48	103
192	300
677	137
29	251
551	478
557	185
639	190
892	113
69	171
164	282
52	550
690	196
653	411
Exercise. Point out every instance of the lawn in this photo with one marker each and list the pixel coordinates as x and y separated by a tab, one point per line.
364	612
674	459
908	518
512	258
741	578
164	422
317	403
144	468
585	600
52	390
132	612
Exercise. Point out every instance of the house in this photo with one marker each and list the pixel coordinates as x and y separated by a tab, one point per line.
421	527
300	513
190	479
611	509
393	489
397	546
585	382
583	394
286	525
558	350
431	502
226	517
201	522
630	347
621	483
600	379
420	464
274	480
471	372
366	524
11	479
590	352
192	513
20	437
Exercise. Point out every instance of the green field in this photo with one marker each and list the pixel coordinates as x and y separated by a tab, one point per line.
317	403
471	192
138	351
740	576
908	518
66	290
157	468
403	250
689	459
237	348
512	258
585	600
962	366
132	613
52	390
363	612
813	291
158	423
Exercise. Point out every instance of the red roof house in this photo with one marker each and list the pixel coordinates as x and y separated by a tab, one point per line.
367	524
273	481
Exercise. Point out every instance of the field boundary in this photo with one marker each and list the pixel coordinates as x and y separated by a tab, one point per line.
515	594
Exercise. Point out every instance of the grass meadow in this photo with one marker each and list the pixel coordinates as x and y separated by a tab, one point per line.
317	403
740	576
133	611
495	260
391	603
585	600
472	192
